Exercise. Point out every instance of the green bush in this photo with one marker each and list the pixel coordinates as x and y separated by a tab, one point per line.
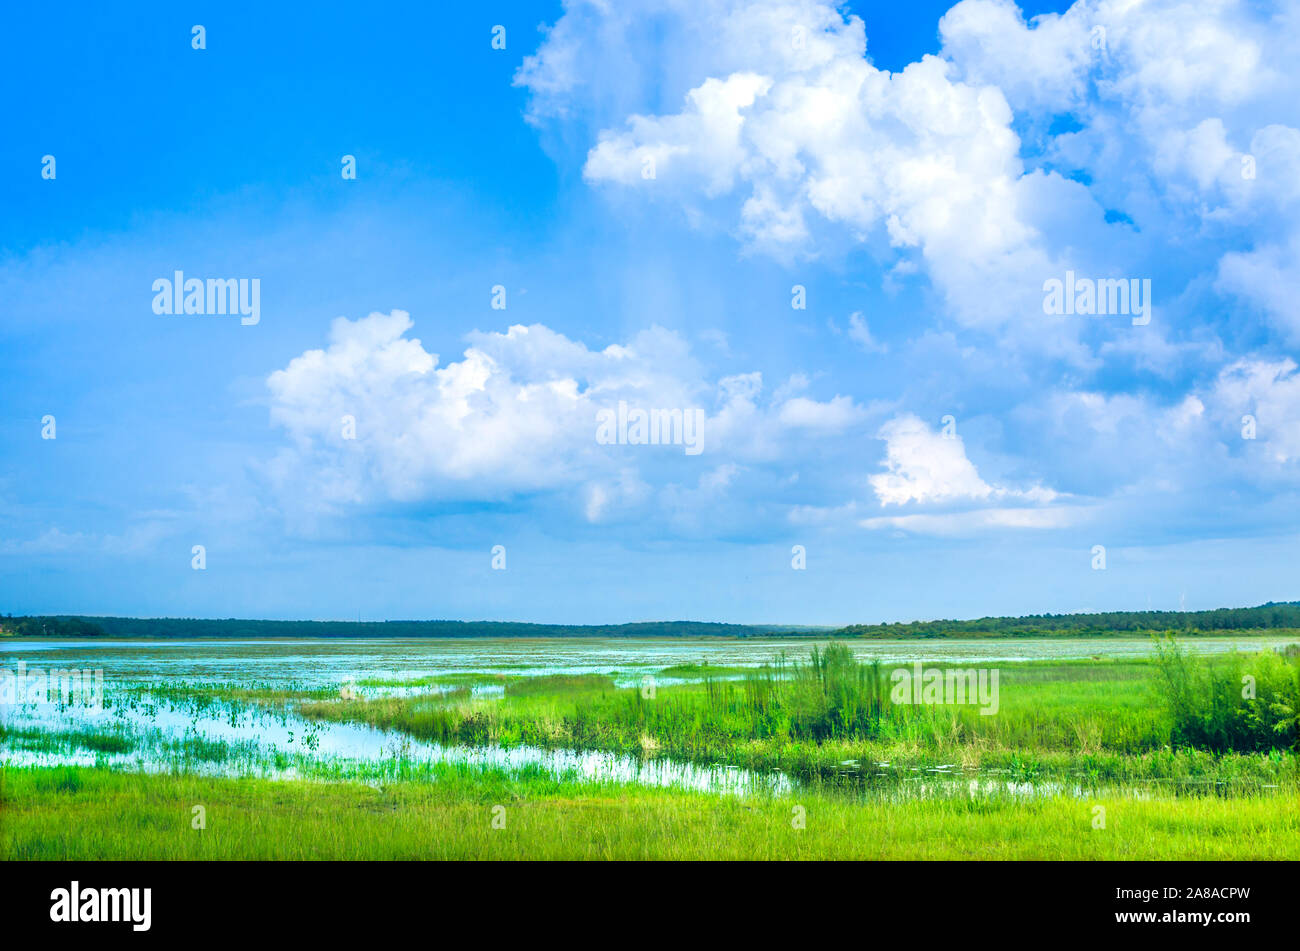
1241	703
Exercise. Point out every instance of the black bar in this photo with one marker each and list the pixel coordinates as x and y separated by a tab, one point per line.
938	900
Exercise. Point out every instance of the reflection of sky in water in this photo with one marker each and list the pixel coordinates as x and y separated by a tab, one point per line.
331	662
266	732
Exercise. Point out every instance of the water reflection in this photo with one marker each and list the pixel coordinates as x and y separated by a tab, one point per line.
251	739
242	739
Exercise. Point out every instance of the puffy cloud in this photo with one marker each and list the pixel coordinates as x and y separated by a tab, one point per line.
1190	93
925	466
931	163
1134	434
860	334
418	425
1173	454
975	522
1268	390
1045	67
788	118
705	139
1269	278
834	416
772	111
374	418
1157	58
770	115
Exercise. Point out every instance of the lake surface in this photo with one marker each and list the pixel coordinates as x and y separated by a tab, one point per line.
328	662
247	739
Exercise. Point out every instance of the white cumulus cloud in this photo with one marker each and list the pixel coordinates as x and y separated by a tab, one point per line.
374	417
924	466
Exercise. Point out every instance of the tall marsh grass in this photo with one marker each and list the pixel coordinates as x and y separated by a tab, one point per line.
830	697
1173	716
1242	704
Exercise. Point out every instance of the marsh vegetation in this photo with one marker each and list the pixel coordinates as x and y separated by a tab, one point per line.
691	756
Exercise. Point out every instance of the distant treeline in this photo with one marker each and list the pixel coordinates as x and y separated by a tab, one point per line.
68	626
1265	617
1285	614
49	626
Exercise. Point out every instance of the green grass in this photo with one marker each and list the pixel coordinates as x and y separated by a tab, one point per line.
1186	762
70	813
32	739
559	685
1093	720
202	694
462	679
1235	704
703	670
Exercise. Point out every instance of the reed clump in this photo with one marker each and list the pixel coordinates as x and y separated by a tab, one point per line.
1242	704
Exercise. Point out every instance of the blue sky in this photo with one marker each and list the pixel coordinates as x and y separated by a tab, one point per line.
919	171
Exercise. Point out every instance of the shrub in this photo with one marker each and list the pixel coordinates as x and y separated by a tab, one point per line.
1234	703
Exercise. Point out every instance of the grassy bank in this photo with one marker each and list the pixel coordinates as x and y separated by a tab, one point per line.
1170	756
67	813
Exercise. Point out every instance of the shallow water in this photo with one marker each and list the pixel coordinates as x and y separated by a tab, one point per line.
327	662
276	742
